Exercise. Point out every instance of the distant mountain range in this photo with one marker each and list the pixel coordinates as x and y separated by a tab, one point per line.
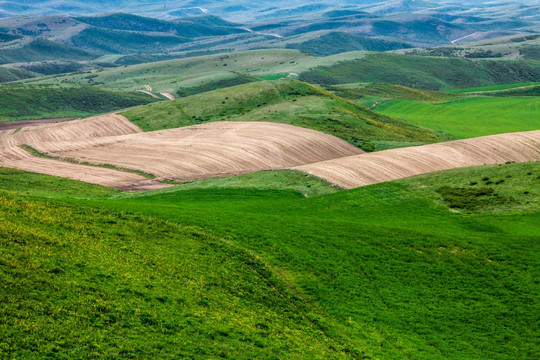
243	11
48	37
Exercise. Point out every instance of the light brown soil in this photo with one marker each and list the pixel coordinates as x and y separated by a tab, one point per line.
208	150
366	169
196	152
18	158
168	96
11	155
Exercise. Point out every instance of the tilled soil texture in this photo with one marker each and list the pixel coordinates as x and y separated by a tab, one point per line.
208	150
366	169
11	155
189	153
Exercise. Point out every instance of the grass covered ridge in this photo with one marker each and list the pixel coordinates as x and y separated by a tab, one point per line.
289	102
425	72
25	102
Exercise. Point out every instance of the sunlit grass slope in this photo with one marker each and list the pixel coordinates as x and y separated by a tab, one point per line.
433	267
469	117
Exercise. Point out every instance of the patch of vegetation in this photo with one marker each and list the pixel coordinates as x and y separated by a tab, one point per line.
235	79
8	37
291	180
487	189
19	182
470	199
288	102
425	72
40	50
14	74
184	27
494	87
484	115
368	94
54	67
25	102
119	42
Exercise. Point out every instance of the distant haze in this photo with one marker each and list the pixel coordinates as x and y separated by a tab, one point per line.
239	10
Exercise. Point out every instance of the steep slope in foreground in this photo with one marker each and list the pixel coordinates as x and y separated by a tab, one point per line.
366	169
380	272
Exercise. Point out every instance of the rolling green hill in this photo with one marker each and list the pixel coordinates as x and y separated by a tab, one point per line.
425	72
182	27
40	50
177	75
250	273
288	102
372	94
469	117
24	102
339	42
14	74
112	41
524	46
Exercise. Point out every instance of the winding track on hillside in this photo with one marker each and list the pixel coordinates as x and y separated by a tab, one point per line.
366	169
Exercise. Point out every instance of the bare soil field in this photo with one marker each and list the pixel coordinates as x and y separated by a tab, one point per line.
11	155
195	152
207	150
366	169
19	124
18	158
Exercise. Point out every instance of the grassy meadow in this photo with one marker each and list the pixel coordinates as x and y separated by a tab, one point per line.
26	102
469	117
182	76
223	270
430	73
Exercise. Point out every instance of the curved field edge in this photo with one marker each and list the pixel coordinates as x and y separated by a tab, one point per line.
472	287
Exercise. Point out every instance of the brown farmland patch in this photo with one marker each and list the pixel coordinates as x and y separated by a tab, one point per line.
11	155
365	169
207	150
195	152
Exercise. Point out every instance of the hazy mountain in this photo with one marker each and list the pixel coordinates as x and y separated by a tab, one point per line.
254	10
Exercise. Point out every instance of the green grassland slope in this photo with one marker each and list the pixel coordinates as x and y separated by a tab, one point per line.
289	102
421	72
340	42
177	75
24	102
469	117
524	46
434	267
431	73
